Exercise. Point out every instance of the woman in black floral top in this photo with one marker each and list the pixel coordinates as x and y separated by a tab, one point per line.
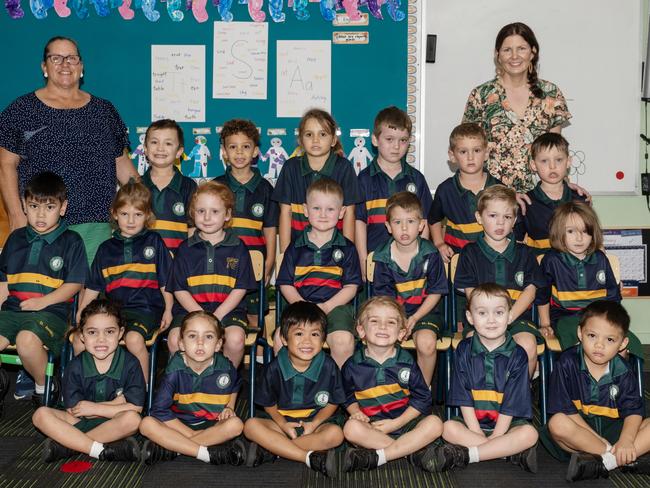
515	107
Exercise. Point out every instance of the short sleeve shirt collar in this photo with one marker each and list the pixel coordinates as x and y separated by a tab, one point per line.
312	373
336	240
50	237
493	255
229	240
114	372
236	186
326	170
175	183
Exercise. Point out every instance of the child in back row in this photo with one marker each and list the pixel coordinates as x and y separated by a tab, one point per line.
42	267
497	258
255	215
212	270
387	174
595	403
322	266
409	268
132	269
322	157
551	161
170	190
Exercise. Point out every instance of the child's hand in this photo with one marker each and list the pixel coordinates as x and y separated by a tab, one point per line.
547	331
83	409
32	304
446	252
522	201
360	416
166	320
227	413
289	428
624	452
410	323
308	427
386	425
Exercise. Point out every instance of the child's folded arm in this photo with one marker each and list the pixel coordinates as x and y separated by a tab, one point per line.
523	302
344	296
62	294
230	303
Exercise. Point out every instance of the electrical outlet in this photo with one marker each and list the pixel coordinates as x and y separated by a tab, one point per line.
645	184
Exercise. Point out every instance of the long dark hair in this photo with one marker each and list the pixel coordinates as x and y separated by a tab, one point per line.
521	29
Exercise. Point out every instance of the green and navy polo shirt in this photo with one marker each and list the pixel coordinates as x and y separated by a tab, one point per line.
300	395
385	390
572	284
532	228
514	269
192	397
425	276
132	271
376	188
491	382
170	206
209	273
319	273
572	389
457	204
34	265
254	210
297	175
82	381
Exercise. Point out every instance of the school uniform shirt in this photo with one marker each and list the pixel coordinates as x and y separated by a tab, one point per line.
192	397
376	187
491	382
534	225
82	381
385	390
254	210
319	273
209	273
297	175
170	206
425	276
572	389
300	395
34	265
573	283
514	269
457	204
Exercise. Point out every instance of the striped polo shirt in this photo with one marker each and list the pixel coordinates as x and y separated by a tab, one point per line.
532	228
34	265
457	204
573	283
297	175
132	271
299	395
209	273
425	276
319	273
254	210
572	389
170	206
491	382
514	269
376	187
385	390
195	397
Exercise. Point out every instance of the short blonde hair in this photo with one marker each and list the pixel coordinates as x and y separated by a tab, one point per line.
381	301
405	200
497	192
557	226
490	290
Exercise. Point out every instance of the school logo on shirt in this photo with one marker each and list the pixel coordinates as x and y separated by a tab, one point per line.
337	255
223	380
149	252
613	392
178	208
231	263
519	278
56	263
257	210
322	398
404	374
600	276
411	187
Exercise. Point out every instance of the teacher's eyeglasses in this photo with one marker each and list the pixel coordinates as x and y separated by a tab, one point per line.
59	59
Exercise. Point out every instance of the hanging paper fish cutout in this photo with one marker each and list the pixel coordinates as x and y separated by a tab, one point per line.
300	9
40	7
375	9
149	10
327	10
14	9
393	10
255	10
61	8
199	11
224	10
174	10
80	8
125	10
275	9
352	9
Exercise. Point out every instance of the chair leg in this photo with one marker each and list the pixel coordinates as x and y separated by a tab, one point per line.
543	378
49	372
638	363
153	360
449	356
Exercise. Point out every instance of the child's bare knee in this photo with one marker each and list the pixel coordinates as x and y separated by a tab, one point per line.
41	417
354	429
234	426
147	425
129	420
432	426
341	341
134	341
235	338
558	424
26	339
426	344
529	435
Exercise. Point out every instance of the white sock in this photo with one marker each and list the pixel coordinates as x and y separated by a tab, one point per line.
473	454
609	460
96	449
203	454
40	389
307	459
381	454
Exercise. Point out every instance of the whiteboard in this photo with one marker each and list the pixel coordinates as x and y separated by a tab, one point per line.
592	49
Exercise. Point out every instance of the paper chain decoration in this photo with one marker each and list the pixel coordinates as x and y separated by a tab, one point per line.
103	8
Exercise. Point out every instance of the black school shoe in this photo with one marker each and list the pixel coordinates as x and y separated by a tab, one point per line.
256	455
232	453
4	388
585	466
526	460
152	453
448	456
324	462
123	450
53	451
359	459
640	466
426	458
